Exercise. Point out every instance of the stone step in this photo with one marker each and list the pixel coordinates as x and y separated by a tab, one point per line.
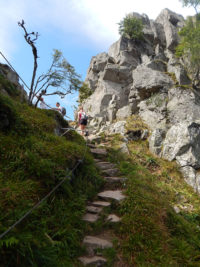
105	165
98	151
111	172
112	194
90	217
94	261
113	218
94	138
92	242
113	180
100	203
93	209
97	160
91	145
105	144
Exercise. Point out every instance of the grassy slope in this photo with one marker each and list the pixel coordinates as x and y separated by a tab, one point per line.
152	234
33	160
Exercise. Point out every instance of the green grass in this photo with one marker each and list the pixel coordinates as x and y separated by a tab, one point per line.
34	160
151	233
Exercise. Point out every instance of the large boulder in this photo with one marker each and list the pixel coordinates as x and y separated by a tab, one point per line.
125	52
147	81
153	111
182	143
124	112
116	73
175	67
117	128
156	140
97	64
183	106
170	22
189	175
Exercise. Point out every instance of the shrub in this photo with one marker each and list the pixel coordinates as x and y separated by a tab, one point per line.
84	92
131	27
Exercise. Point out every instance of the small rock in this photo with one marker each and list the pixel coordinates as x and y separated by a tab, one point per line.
111	172
105	165
89	217
94	138
176	209
97	160
101	203
91	145
145	134
98	261
113	218
92	243
113	180
93	209
124	148
115	195
98	151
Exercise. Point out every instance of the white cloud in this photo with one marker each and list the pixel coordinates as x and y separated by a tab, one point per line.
10	13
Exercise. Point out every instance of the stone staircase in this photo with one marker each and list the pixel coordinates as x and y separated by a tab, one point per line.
112	194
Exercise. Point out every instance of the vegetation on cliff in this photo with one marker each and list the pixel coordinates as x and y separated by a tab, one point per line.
33	161
189	45
131	27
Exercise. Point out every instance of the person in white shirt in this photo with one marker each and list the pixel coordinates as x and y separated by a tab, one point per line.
42	103
58	107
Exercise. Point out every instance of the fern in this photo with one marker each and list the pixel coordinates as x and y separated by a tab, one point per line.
9	242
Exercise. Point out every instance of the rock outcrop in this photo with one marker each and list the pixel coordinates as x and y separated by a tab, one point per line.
10	75
145	77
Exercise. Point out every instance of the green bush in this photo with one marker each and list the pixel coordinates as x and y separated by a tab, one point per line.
131	27
84	92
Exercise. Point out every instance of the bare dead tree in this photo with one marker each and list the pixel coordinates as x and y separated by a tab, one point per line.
60	75
30	39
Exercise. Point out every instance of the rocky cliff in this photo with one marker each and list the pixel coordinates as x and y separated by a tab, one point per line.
145	78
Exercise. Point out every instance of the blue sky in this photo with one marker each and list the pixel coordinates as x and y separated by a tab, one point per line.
79	28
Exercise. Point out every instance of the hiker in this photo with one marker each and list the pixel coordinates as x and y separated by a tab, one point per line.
60	109
82	120
42	103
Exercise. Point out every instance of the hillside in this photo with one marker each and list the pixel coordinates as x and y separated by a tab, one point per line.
33	161
143	146
160	215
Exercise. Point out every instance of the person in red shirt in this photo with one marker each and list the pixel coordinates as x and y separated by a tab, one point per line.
82	120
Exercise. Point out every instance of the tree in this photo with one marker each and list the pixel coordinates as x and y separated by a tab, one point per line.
192	3
189	46
131	27
84	92
61	77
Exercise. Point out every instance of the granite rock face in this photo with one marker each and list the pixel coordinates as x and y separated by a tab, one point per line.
144	77
11	76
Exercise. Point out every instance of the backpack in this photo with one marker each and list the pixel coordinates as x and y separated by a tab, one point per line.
84	116
63	111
